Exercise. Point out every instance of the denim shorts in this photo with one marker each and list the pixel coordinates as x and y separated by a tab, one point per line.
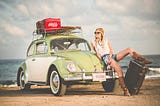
106	56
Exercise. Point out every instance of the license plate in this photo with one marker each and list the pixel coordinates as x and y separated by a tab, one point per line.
99	76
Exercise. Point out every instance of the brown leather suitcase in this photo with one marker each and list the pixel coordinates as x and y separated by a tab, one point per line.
135	76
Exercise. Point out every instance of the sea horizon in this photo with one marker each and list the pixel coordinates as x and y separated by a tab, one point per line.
9	68
115	53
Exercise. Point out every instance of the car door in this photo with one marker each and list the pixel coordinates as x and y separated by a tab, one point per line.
29	65
38	64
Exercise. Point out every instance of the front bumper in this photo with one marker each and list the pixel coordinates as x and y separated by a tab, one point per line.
85	77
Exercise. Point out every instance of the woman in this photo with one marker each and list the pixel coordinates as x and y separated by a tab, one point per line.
104	51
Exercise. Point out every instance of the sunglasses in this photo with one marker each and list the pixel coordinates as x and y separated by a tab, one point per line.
97	33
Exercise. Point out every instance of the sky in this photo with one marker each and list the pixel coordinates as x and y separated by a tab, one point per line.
127	23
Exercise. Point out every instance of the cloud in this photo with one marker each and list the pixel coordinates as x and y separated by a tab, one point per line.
110	6
146	9
2	41
114	7
38	9
123	20
22	8
14	30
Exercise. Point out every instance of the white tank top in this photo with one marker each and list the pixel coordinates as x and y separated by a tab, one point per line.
99	49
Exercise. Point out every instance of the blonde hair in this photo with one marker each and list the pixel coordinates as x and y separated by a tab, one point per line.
101	30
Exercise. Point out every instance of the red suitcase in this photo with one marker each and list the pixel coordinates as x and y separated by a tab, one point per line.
134	76
48	25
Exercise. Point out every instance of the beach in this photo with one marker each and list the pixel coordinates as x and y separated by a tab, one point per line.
81	95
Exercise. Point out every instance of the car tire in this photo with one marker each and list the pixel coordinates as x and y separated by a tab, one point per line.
57	86
20	81
108	85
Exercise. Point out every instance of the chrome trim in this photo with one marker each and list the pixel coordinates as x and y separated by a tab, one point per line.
83	78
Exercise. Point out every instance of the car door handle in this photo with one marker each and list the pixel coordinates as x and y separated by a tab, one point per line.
33	59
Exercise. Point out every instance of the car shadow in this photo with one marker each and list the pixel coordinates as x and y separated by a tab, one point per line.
40	91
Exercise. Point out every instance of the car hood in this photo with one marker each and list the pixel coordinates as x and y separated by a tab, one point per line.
83	59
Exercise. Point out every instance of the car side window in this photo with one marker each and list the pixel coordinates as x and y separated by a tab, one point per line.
83	46
41	48
31	50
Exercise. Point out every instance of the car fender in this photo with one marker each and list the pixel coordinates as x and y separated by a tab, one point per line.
23	67
60	65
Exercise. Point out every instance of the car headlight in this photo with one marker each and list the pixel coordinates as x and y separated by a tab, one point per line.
71	67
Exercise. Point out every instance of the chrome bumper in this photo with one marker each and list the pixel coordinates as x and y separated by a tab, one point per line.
86	78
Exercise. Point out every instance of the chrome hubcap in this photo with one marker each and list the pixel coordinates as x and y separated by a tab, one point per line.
54	82
22	84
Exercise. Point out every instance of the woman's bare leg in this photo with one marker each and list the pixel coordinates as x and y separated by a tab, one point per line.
124	53
116	67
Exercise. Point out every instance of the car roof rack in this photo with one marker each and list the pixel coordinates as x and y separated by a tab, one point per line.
64	30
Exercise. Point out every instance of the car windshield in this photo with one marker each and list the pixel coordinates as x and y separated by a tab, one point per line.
69	44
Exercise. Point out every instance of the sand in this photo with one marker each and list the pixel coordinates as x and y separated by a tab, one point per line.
82	95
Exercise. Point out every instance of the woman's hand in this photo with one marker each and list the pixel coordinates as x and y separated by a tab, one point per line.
99	56
109	60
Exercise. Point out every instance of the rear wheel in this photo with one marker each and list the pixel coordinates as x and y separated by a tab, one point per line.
21	82
57	85
108	85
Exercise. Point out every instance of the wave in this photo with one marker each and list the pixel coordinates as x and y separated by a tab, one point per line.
155	69
9	83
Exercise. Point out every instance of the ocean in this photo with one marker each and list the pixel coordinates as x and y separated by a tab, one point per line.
9	68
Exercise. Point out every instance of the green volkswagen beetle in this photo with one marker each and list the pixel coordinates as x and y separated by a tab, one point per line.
60	59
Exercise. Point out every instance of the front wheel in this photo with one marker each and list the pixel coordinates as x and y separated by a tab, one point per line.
57	85
108	85
20	81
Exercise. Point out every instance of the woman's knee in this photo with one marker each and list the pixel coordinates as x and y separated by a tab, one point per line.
129	49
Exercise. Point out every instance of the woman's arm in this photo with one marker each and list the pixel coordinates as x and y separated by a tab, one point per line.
94	48
111	49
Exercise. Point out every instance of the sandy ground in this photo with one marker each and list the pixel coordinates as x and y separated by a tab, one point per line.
81	95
